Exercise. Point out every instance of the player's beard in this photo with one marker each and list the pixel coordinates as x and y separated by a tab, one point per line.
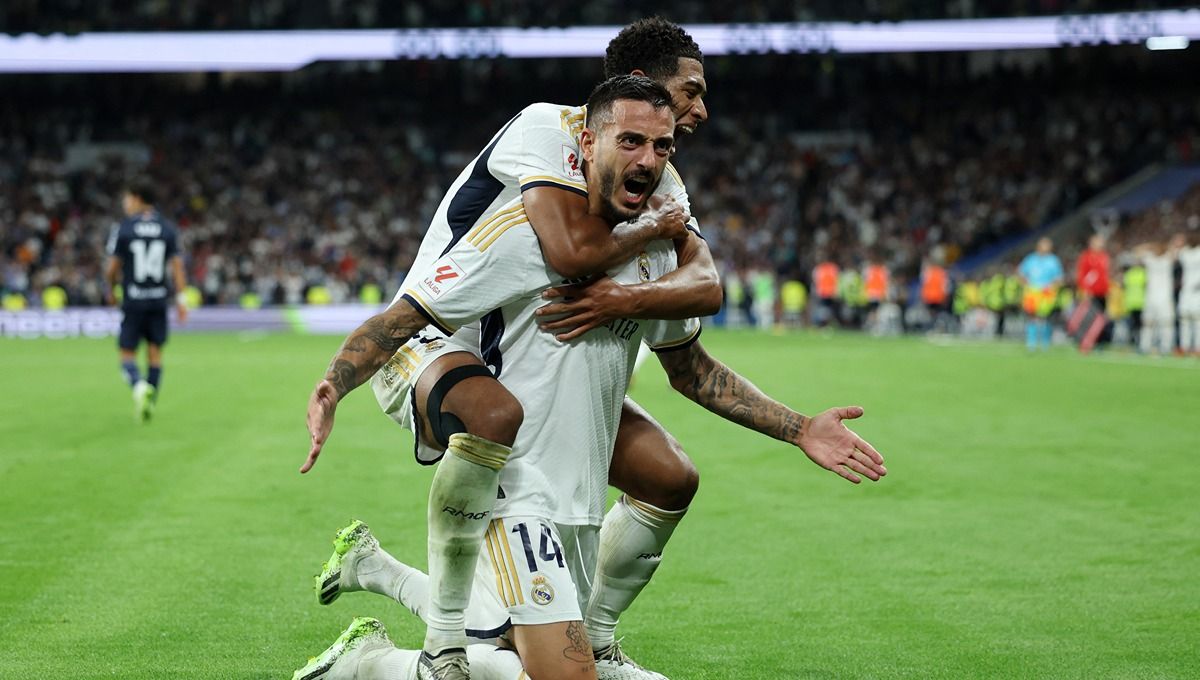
612	210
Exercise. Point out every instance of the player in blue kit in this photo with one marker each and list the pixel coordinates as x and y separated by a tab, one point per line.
140	250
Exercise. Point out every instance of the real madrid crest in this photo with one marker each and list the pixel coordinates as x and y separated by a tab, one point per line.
644	267
542	593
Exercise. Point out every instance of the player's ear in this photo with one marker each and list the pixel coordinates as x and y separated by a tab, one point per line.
587	144
637	72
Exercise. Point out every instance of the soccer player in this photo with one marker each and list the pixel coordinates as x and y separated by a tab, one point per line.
1158	316
1189	299
489	263
140	250
1041	272
649	464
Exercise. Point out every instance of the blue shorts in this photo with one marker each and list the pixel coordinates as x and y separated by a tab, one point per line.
138	324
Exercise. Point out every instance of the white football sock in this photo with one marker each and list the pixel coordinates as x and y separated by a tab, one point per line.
632	539
461	500
388	664
487	662
381	573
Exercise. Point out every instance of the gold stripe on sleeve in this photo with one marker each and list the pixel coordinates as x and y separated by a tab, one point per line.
495	217
500	232
491	227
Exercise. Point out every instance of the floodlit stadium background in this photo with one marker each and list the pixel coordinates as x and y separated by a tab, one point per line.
1037	520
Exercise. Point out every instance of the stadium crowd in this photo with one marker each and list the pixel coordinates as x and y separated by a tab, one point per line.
282	192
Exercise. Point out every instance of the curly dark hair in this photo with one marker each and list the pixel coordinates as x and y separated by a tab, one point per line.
653	46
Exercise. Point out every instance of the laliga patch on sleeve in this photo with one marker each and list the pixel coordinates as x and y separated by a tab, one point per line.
571	163
442	276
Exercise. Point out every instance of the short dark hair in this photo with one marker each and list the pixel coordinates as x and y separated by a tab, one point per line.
653	46
636	88
143	189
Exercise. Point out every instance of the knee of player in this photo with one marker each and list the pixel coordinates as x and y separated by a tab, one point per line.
499	420
679	486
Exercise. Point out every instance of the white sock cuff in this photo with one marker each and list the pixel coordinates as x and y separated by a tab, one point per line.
649	515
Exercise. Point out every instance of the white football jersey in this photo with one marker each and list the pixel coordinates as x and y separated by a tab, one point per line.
1159	285
478	277
1189	290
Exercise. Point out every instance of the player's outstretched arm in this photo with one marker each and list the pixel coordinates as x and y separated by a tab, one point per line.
180	284
692	290
112	276
577	244
363	353
823	438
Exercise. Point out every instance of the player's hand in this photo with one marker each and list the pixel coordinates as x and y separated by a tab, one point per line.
181	312
321	406
669	216
835	447
583	307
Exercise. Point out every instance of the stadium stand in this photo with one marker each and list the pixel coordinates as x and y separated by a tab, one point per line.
279	188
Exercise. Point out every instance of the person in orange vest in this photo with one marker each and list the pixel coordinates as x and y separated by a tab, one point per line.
876	279
825	287
935	291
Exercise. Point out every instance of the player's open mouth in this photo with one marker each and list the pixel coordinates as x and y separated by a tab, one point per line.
635	190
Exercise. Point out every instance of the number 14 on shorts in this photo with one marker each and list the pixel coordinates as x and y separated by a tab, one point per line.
549	550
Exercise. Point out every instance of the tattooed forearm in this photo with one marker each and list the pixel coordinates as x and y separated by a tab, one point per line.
579	648
371	345
708	382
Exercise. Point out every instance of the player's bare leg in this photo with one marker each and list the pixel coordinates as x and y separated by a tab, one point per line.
659	482
484	418
555	650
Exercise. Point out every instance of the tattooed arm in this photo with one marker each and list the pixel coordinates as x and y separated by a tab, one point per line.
363	353
695	374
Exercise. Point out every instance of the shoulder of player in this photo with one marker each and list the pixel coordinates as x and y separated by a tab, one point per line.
671	184
546	115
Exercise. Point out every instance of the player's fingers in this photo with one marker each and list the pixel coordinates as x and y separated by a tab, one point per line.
850	476
575	333
567	322
561	291
849	412
312	458
555	308
865	446
854	464
866	461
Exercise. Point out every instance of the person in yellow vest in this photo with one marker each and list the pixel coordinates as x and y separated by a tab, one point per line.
850	287
1134	282
793	297
1013	292
993	299
54	298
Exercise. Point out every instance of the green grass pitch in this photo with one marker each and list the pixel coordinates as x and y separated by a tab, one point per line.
1041	518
